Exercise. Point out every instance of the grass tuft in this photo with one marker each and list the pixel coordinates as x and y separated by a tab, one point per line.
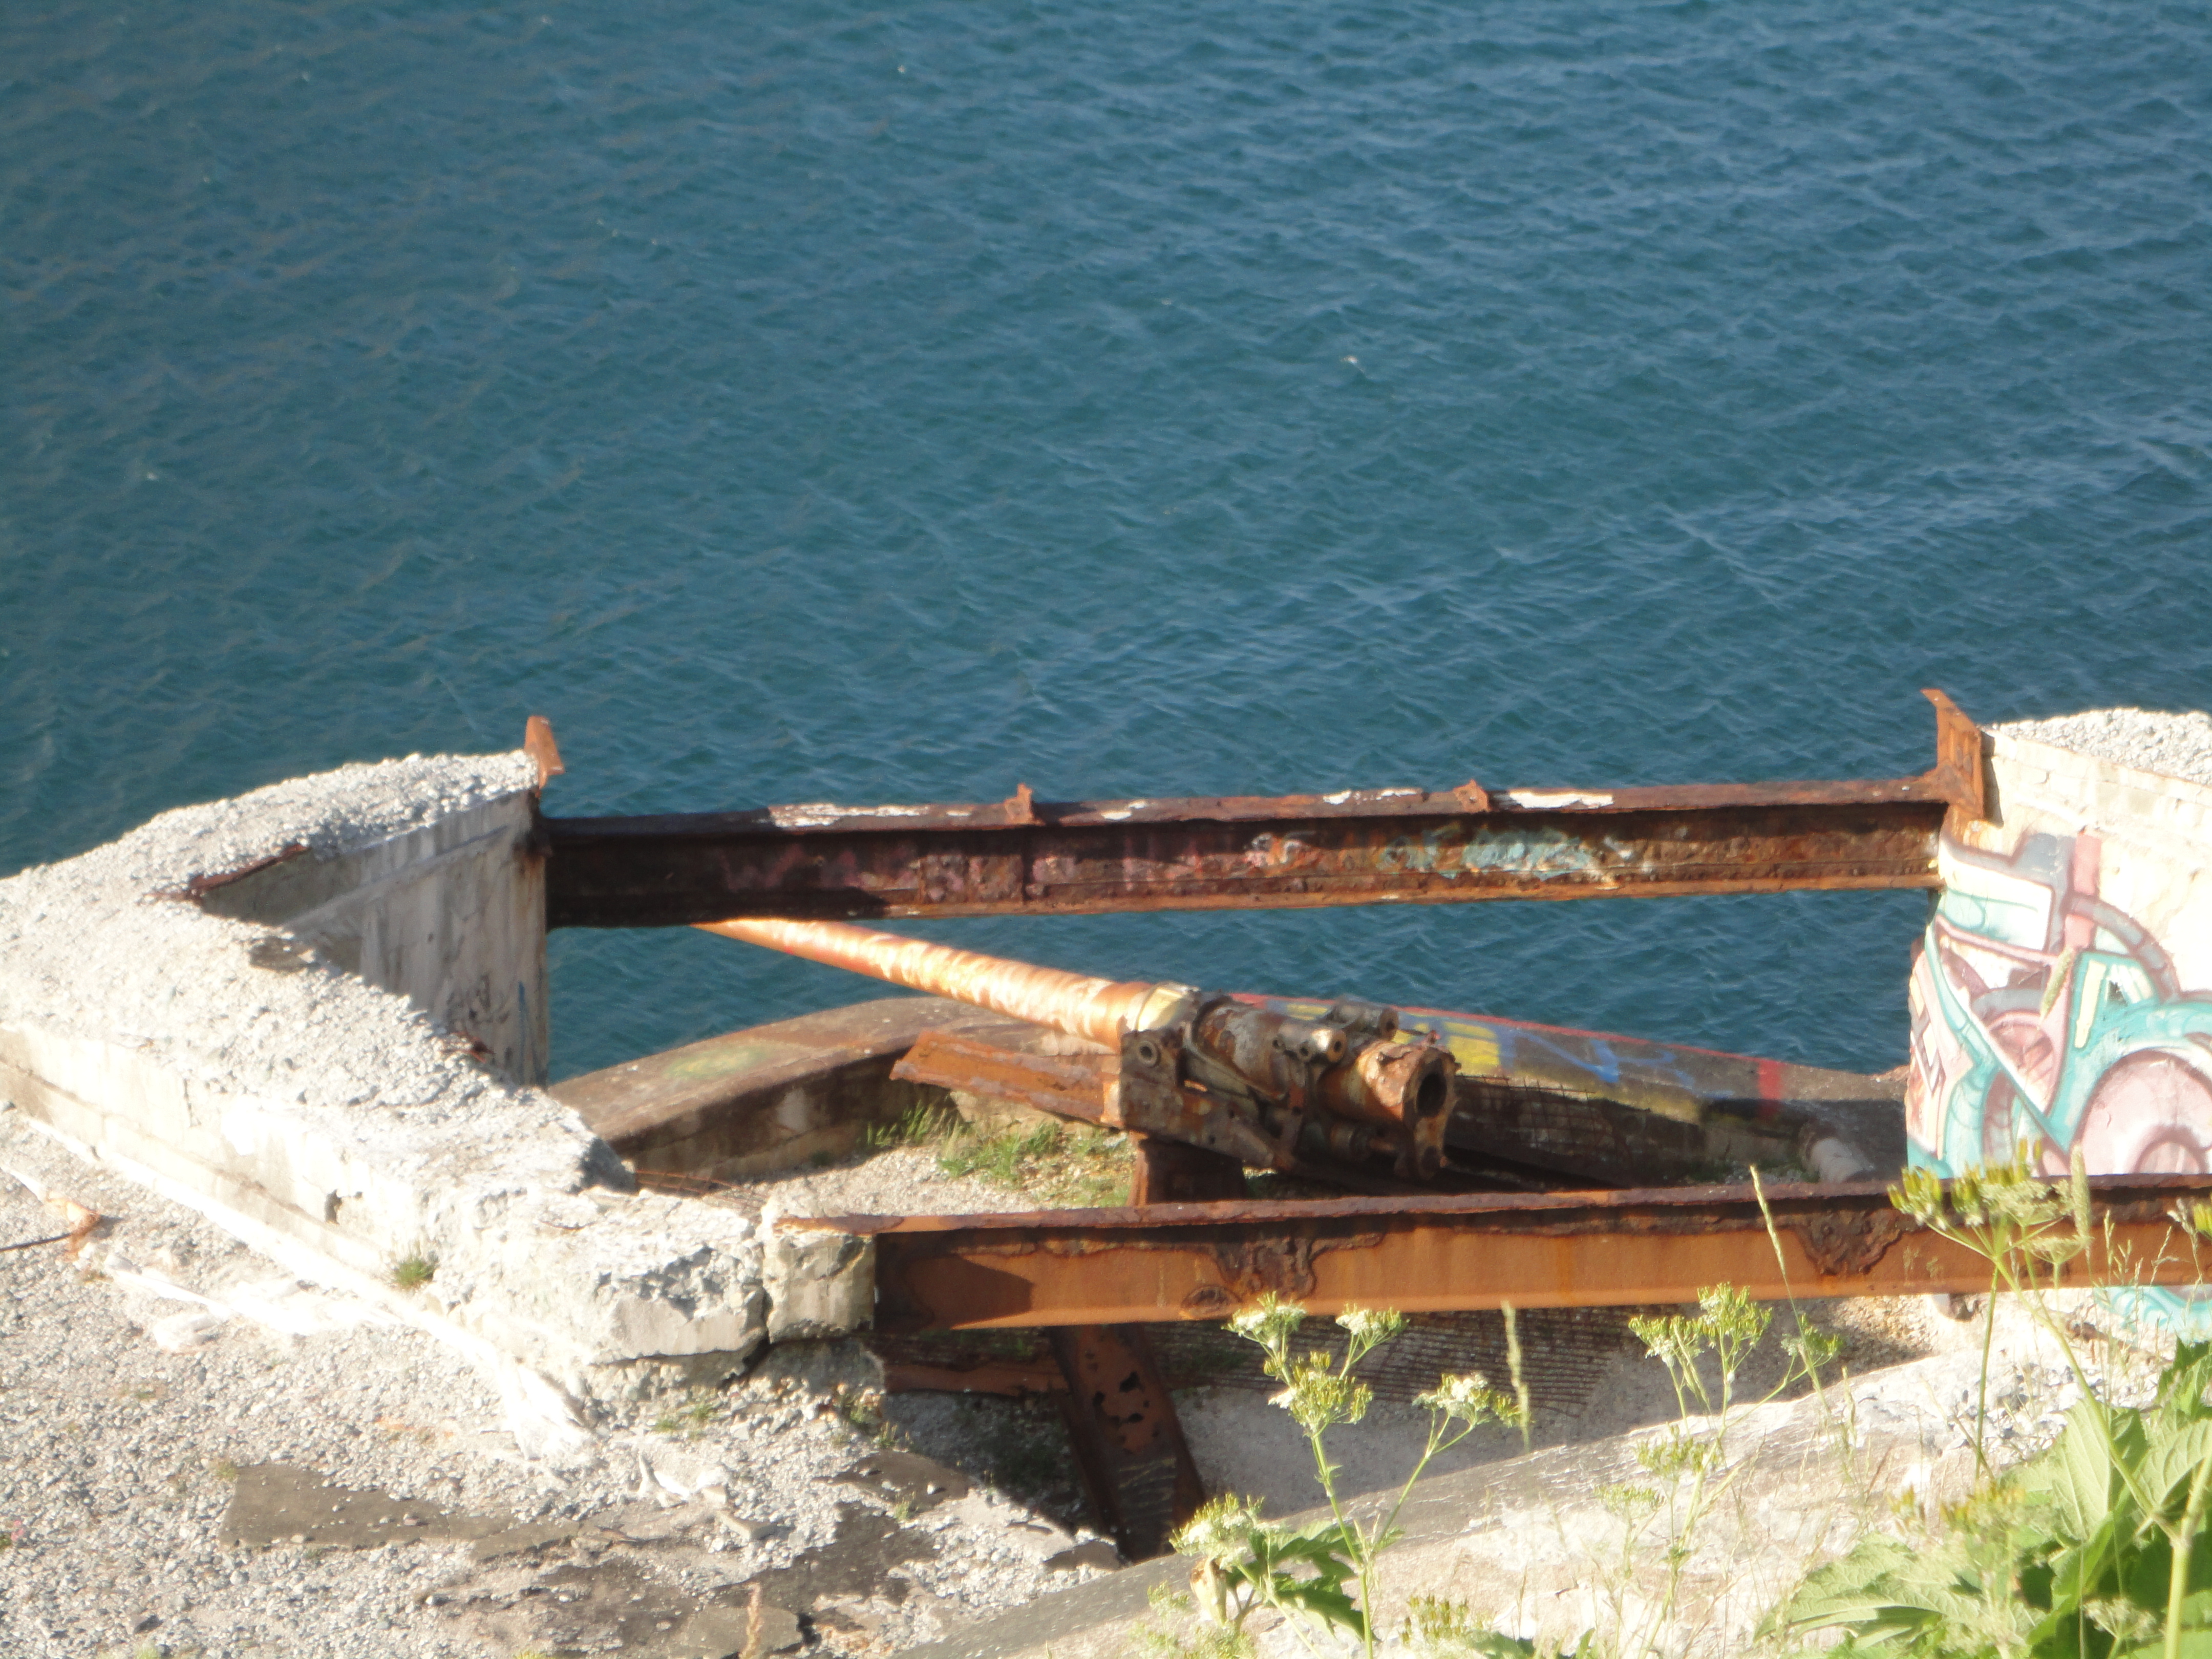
918	1126
1061	1167
1084	1168
415	1271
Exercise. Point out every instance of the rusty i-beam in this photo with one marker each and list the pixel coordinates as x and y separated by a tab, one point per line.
1027	857
1169	1262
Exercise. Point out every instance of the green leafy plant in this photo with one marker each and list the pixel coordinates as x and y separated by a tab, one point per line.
2075	1552
2072	1553
414	1270
1245	1562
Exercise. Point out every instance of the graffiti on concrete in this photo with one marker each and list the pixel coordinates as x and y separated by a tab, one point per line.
2042	1014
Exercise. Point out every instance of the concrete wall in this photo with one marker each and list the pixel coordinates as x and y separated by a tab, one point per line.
452	916
2061	993
205	1031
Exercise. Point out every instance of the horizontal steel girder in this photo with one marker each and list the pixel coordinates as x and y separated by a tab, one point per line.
1023	856
1356	847
1175	1261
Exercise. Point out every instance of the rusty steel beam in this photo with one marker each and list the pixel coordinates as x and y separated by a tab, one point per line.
1452	1254
1027	857
1129	1446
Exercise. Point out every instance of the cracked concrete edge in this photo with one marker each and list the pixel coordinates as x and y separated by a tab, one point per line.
551	1270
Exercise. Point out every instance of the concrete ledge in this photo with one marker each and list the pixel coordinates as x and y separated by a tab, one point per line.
289	1051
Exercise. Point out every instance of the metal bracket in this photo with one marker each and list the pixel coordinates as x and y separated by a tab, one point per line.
1153	1101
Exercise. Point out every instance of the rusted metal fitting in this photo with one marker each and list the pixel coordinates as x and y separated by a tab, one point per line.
1238	1047
1363	1019
1405	1087
1347	1065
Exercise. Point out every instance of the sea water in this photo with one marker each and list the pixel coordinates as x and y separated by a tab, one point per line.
827	402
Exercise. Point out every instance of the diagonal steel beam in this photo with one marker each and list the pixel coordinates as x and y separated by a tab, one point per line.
1024	857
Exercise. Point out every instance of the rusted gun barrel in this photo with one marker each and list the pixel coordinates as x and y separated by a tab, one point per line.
1265	1088
1098	1009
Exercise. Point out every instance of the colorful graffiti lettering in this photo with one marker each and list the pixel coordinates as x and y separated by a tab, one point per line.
2042	1014
1451	852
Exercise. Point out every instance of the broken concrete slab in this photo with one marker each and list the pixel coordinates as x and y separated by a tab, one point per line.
1534	1543
905	1478
572	1604
820	1286
616	1602
1096	1553
281	1504
859	1561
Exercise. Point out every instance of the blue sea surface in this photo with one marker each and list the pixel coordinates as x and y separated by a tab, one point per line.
816	402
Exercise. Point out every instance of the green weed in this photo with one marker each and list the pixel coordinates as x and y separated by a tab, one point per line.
1061	1167
861	1411
2096	1548
1437	1628
918	1126
692	1420
1168	1633
1323	1575
415	1271
1085	1168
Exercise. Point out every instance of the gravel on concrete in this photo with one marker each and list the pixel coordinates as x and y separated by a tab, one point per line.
92	943
2175	745
117	1458
896	1180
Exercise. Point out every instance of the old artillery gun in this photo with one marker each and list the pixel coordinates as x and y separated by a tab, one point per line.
1210	1084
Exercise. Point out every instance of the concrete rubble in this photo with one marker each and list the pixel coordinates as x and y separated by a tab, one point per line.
2168	744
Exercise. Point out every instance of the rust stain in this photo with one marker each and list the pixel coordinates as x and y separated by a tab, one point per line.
1844	1242
200	886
